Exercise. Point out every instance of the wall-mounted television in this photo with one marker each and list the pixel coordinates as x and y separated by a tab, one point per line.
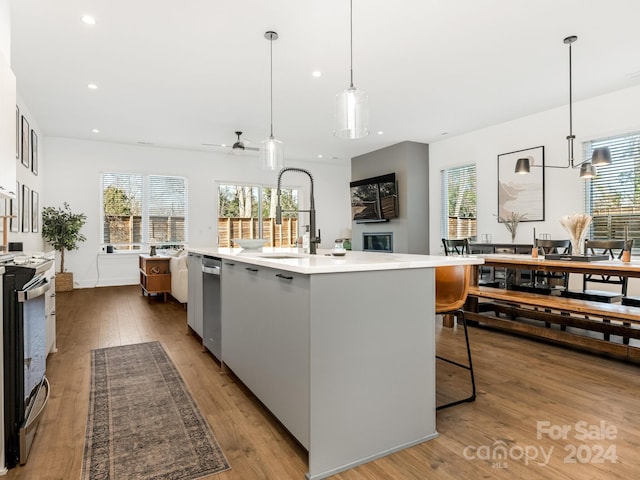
374	199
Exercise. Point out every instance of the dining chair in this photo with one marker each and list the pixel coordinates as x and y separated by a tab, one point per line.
614	249
457	246
462	246
551	279
452	287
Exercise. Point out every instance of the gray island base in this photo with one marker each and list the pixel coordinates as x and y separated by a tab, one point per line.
342	352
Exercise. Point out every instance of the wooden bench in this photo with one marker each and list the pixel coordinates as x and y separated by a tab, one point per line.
536	315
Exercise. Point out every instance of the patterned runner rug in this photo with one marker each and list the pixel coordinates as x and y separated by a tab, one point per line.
142	422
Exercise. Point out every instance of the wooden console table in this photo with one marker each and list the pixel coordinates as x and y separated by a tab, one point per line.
155	275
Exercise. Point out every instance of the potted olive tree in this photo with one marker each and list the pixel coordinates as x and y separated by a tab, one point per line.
61	229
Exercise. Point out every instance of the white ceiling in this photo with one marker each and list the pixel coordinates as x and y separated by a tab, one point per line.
183	73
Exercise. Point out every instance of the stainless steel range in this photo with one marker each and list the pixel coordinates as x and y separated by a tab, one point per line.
26	388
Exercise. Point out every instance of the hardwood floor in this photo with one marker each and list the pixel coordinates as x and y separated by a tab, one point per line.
520	382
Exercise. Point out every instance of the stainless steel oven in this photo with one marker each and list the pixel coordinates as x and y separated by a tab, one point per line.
26	388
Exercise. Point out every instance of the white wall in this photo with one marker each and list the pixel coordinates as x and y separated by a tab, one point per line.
73	171
5	29
594	118
32	242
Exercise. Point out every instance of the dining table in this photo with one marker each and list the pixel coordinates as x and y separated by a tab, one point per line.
569	265
547	314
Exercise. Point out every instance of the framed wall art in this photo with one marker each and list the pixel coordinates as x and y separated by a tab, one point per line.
35	207
34	152
15	210
24	149
25	208
521	194
17	132
4	210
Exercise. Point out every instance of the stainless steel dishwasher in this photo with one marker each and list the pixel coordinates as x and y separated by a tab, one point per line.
211	308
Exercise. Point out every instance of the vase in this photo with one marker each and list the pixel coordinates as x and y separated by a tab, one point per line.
577	243
578	226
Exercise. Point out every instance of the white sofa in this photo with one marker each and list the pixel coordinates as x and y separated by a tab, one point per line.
179	277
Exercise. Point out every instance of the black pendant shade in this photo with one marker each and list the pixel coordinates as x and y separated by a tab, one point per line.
523	165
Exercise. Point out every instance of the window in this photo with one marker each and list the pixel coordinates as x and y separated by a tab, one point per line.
612	198
141	209
248	211
459	211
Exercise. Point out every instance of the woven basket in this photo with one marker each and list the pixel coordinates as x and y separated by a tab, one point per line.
64	282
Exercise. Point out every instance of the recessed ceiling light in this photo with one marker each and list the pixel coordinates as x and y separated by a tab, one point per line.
88	19
95	130
380	132
92	86
316	74
320	155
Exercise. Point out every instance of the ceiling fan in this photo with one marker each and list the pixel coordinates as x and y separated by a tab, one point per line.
237	148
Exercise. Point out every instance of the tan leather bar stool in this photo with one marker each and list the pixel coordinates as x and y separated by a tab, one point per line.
452	287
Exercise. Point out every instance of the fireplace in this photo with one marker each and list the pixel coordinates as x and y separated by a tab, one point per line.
377	242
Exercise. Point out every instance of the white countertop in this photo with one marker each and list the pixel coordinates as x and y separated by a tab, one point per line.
324	262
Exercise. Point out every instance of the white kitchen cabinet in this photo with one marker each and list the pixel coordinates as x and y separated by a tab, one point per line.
7	130
50	310
340	350
265	332
194	296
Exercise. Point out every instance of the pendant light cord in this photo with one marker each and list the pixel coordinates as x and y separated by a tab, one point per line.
571	137
351	37
271	81
570	96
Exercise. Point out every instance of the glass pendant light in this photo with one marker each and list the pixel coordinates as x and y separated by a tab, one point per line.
352	105
271	149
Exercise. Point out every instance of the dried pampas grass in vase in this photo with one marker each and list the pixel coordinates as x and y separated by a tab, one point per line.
577	226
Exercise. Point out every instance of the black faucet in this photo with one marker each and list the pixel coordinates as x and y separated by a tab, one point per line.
313	240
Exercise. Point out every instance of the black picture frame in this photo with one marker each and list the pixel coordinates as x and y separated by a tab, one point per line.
17	132
34	152
521	194
35	207
25	209
15	211
24	149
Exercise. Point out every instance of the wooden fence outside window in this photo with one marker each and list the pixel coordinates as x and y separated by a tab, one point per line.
284	235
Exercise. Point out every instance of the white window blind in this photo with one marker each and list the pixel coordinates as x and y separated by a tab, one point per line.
167	202
139	209
459	210
612	198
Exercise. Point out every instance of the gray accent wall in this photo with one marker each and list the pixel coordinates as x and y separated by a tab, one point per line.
410	162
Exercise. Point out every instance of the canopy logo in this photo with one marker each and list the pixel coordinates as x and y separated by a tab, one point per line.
589	447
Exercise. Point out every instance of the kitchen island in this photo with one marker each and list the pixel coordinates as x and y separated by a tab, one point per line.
340	349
